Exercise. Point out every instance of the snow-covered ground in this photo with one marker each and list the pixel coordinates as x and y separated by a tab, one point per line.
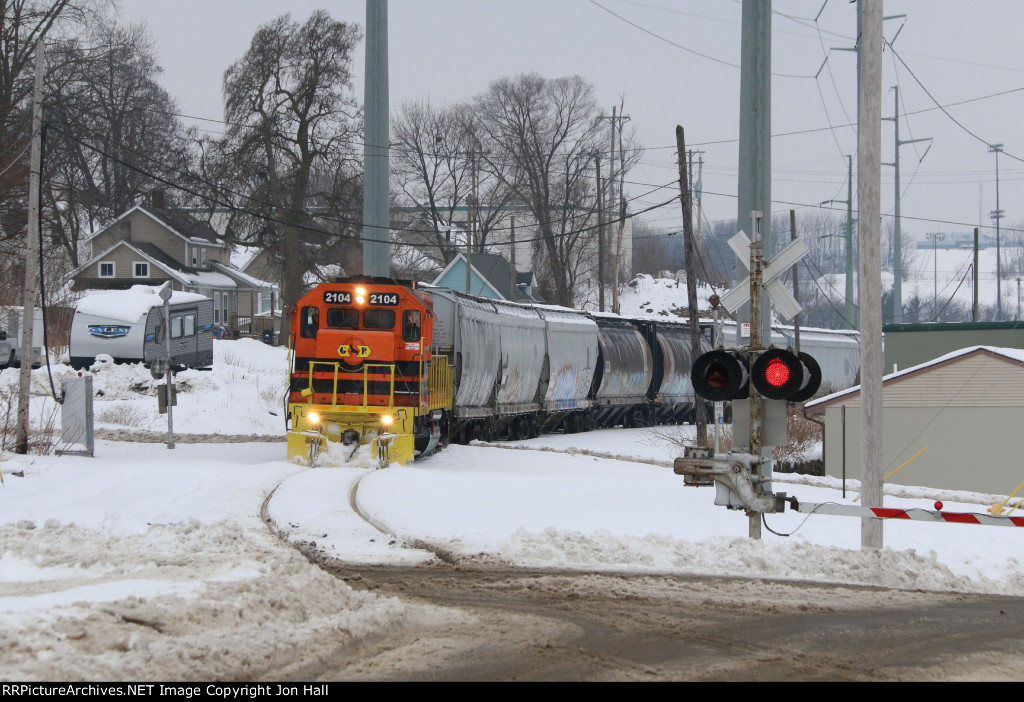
174	540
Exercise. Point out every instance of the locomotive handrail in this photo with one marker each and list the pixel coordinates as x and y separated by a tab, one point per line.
389	370
439	383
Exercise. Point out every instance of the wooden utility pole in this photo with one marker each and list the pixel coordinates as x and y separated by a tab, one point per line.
796	283
600	237
700	414
32	238
974	308
512	261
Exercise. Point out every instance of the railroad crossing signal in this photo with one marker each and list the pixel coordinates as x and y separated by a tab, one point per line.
785	304
777	374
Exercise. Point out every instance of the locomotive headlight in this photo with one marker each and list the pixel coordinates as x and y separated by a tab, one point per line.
360	291
313	417
360	299
360	295
386	419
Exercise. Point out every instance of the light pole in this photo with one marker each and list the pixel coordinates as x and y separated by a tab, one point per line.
997	214
935	239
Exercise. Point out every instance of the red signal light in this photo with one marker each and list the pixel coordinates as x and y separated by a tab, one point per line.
777	373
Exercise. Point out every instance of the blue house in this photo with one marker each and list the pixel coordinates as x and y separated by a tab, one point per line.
490	275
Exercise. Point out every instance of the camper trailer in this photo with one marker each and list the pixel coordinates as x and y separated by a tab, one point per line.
10	337
128	325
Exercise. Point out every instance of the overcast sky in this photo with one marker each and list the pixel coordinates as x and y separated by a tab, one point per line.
677	62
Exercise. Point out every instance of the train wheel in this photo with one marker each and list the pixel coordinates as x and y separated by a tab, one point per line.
523	428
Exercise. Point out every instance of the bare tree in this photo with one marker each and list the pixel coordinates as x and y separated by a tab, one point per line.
23	23
293	123
113	128
440	170
547	131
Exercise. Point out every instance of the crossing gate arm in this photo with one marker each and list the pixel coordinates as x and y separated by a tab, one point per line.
914	514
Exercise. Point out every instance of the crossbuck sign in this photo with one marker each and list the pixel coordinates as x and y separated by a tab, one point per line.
785	304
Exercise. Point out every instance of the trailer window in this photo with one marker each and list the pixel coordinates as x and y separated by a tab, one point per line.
310	322
379	319
342	318
183	325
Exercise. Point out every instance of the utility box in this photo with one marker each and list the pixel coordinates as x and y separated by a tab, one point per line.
77	416
161	397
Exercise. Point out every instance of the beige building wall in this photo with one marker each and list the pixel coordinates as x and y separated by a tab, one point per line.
124	260
965	414
145	229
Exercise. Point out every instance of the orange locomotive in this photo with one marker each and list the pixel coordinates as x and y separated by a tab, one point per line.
362	371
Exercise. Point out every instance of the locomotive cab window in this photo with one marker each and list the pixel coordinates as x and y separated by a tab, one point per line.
379	319
411	325
310	322
342	318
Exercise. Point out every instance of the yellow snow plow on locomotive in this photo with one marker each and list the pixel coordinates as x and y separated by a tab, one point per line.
362	373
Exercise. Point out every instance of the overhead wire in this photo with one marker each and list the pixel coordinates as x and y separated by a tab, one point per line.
318	230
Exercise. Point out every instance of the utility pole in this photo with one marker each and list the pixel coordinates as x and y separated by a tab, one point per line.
974	308
600	236
896	308
848	313
849	244
698	189
997	214
512	260
869	148
700	414
33	236
615	121
694	189
796	283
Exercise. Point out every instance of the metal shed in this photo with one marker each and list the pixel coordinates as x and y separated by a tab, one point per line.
959	415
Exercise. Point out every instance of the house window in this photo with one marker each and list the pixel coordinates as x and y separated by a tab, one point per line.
140	269
227	301
194	252
202	258
266	300
107	270
216	308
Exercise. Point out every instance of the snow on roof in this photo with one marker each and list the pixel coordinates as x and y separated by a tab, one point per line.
1012	354
244	277
130	305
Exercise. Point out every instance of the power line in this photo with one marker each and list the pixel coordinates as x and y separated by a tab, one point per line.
355	223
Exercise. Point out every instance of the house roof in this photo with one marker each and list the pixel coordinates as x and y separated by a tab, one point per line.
1008	355
185	275
496	272
176	221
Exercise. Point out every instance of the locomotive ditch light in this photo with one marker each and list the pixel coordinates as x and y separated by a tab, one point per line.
386	419
313	417
779	374
721	375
